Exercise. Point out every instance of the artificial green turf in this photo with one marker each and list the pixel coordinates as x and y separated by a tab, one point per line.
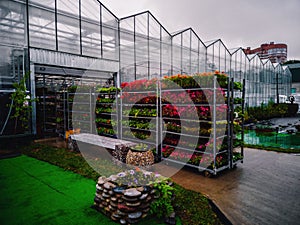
36	192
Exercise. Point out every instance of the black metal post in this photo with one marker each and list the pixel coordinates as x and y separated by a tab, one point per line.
56	35
134	48
277	89
101	41
80	35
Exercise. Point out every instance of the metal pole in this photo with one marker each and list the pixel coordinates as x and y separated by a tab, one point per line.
33	104
91	114
44	103
277	89
214	122
80	31
134	43
56	35
243	118
101	38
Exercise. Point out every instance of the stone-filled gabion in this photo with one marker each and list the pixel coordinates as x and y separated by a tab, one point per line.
126	205
120	151
140	158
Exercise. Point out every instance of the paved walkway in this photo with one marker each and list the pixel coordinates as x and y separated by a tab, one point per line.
263	190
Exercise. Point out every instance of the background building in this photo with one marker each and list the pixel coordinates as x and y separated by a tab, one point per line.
277	53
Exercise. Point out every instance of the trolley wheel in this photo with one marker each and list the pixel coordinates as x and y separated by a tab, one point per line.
207	174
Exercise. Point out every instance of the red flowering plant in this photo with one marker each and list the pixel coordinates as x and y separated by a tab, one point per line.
170	111
171	140
221	112
139	85
180	155
208	161
167	150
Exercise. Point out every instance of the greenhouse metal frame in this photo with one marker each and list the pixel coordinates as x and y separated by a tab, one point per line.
62	41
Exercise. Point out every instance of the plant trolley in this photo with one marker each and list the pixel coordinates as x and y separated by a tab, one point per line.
192	121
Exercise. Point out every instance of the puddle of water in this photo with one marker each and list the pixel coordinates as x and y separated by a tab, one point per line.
272	139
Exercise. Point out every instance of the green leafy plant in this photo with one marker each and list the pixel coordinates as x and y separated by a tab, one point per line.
107	90
162	206
140	147
21	104
104	130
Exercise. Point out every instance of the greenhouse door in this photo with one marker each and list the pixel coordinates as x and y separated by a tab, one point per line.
51	88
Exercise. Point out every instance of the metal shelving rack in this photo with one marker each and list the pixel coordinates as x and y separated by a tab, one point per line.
222	126
127	132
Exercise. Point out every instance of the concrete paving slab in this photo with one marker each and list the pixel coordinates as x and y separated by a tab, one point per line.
263	190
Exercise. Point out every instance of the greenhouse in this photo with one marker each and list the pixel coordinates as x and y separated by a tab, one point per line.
64	43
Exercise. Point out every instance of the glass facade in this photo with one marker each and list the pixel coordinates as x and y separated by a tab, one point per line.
85	34
188	53
218	57
145	48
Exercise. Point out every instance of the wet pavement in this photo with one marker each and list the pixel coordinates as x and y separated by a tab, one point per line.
265	189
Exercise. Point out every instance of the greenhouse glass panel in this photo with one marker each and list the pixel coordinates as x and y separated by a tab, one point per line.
42	26
237	65
68	31
186	56
154	28
254	91
68	7
284	80
267	82
154	53
109	35
110	45
218	57
211	64
195	53
141	25
45	3
239	69
186	52
166	52
127	59
177	61
142	54
90	28
11	65
90	9
12	28
142	57
148	49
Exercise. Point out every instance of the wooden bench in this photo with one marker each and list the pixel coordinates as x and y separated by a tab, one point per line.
118	148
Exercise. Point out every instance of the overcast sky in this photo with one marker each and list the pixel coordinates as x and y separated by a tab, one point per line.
239	23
